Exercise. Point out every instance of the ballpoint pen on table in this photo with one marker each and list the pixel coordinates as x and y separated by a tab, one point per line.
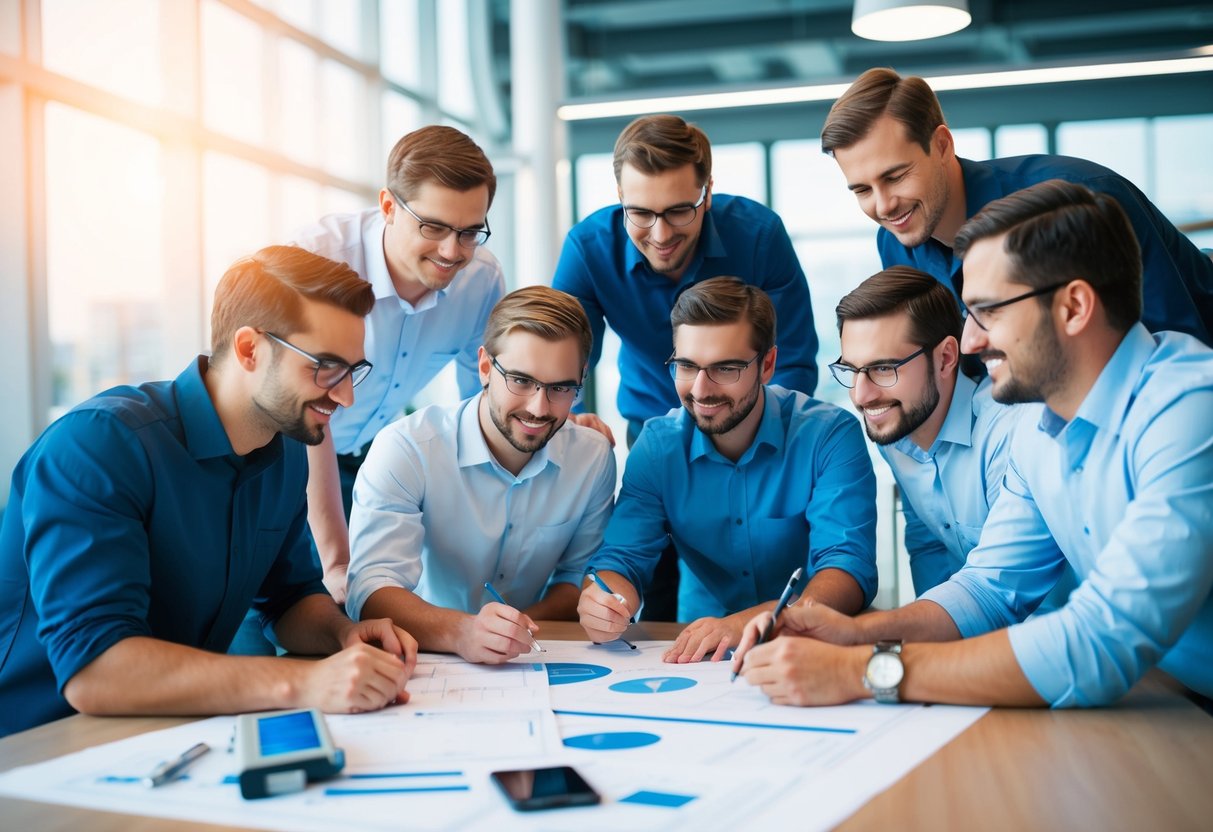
779	607
538	648
169	769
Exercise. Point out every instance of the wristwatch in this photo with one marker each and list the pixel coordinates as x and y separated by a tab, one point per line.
885	672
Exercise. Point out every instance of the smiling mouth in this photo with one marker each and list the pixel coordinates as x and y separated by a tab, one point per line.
899	220
442	264
878	411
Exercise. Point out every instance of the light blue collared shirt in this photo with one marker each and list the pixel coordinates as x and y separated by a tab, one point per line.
1124	493
408	344
802	495
435	513
948	489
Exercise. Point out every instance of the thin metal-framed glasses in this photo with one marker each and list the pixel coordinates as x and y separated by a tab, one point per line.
724	373
560	393
675	217
882	375
329	371
439	231
978	309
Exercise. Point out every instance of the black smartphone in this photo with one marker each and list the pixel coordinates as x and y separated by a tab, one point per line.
545	788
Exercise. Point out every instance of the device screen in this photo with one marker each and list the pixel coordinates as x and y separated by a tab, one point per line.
286	733
545	788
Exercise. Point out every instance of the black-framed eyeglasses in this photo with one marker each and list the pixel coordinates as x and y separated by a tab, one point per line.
724	373
560	393
439	231
882	375
329	371
978	309
676	217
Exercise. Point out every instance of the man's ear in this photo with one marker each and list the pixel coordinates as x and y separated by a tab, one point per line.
947	355
484	363
942	143
768	365
1077	306
247	347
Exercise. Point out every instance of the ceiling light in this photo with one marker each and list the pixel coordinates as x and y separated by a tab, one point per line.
909	19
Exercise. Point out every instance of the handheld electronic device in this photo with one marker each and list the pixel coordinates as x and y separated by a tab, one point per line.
282	751
545	788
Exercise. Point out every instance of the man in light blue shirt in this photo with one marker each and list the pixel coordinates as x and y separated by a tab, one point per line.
943	435
749	481
498	489
1116	479
420	248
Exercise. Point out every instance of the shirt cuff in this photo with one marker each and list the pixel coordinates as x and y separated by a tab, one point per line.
1030	642
960	604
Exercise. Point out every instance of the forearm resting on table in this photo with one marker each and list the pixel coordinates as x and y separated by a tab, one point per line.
437	629
326	514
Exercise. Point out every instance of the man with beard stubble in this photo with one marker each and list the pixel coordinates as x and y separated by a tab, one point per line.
143	524
749	481
497	490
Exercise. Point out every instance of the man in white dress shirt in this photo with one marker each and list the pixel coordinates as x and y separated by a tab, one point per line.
497	489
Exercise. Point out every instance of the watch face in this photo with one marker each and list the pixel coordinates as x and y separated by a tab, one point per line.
885	670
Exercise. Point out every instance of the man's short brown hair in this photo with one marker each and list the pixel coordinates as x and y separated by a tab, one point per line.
727	300
442	155
656	144
930	306
549	313
266	291
910	101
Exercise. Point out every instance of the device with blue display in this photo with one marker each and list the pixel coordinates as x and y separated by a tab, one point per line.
282	751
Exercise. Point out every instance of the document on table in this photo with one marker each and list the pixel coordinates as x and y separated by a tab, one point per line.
666	745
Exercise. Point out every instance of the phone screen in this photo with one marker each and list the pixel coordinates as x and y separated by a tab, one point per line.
545	788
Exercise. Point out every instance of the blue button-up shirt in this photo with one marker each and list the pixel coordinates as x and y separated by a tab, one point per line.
1124	493
802	495
947	490
408	344
434	512
1177	278
132	516
600	266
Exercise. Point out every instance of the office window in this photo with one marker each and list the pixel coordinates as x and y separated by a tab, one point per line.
298	71
399	115
740	169
595	175
1020	140
972	143
1183	172
455	94
341	25
398	52
232	73
125	61
105	280
345	101
235	219
1120	144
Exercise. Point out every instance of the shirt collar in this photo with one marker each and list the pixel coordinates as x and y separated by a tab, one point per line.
473	450
770	433
981	186
957	427
204	434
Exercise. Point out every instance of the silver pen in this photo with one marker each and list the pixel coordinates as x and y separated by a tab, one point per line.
169	769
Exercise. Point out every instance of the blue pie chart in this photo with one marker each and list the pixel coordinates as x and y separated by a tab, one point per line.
655	684
568	673
612	740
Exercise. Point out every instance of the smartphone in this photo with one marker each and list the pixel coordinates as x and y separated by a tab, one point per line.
545	788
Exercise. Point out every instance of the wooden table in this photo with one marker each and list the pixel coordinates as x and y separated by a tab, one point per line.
1144	764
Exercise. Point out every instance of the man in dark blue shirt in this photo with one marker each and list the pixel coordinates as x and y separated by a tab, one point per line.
628	263
143	524
889	137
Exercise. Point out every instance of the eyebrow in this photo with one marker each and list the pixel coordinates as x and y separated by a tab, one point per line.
565	383
886	172
687	204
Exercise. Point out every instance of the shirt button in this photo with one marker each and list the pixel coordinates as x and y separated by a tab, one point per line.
1077	469
947	525
738	521
397	386
746	573
404	355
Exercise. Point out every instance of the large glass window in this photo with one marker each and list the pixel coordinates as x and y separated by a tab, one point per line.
1120	144
232	100
126	60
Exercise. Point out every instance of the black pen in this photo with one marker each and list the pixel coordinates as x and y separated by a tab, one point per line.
779	607
169	769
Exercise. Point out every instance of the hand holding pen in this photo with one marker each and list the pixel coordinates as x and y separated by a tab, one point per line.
782	604
603	619
535	645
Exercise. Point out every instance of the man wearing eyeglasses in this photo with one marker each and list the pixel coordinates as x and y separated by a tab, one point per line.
472	521
889	138
421	250
749	481
144	523
1115	479
628	263
941	432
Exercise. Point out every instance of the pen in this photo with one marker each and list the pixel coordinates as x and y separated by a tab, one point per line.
602	585
779	607
169	769
497	597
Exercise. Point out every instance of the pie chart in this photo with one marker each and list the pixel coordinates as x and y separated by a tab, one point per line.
568	673
654	684
612	740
